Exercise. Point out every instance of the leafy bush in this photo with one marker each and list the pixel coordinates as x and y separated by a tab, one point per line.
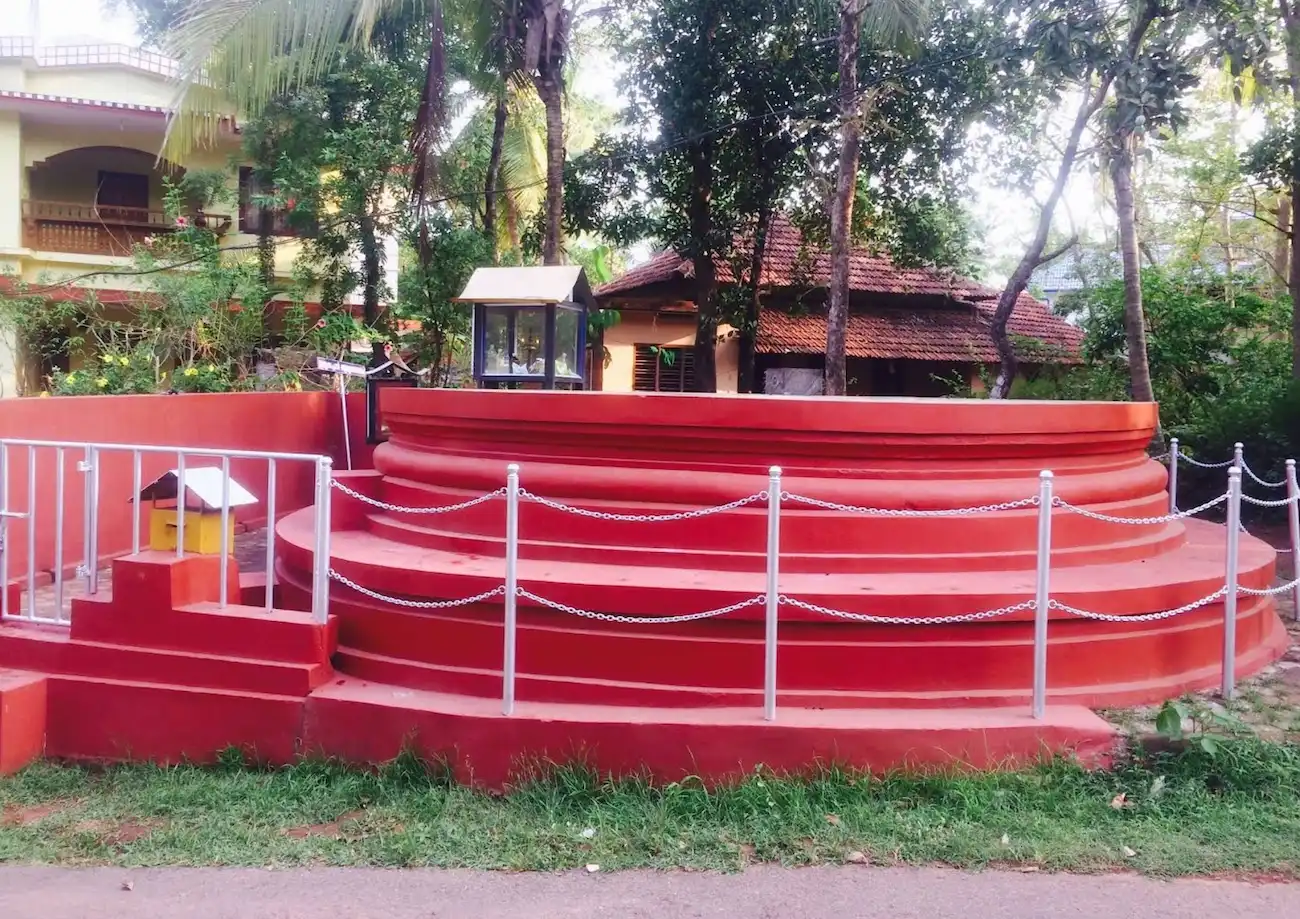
1220	360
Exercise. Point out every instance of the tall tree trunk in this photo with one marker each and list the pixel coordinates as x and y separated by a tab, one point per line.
1291	17
700	214
551	90
372	273
1034	255
490	190
837	314
1282	247
1121	173
746	381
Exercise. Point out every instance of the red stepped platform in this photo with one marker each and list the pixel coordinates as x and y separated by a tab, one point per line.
687	697
157	671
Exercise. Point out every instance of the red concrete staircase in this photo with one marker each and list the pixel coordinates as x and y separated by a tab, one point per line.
157	670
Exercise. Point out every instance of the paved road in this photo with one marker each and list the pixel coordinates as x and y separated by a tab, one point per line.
761	893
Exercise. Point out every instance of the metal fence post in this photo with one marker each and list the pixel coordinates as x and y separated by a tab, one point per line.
180	505
1042	592
1173	475
1293	515
270	534
1238	455
773	598
60	459
223	592
31	532
92	480
135	502
5	548
320	594
512	589
1230	586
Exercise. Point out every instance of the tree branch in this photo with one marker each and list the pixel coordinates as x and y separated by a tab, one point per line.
1057	252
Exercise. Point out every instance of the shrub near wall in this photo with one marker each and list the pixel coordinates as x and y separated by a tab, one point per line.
1220	363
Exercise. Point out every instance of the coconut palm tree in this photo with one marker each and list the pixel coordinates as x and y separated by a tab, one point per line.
242	53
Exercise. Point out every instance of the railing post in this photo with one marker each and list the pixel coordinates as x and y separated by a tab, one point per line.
270	534
92	515
1238	455
5	548
180	505
1293	515
512	589
773	602
1042	593
60	459
223	592
135	501
320	592
1173	475
31	532
1230	585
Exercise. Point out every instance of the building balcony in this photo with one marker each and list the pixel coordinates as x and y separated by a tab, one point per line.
91	229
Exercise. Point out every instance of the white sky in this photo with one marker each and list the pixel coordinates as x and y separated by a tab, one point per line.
1005	225
64	21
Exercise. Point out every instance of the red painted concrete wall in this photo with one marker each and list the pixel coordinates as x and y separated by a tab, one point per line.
281	422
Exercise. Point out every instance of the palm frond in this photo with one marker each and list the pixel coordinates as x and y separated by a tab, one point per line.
891	22
236	55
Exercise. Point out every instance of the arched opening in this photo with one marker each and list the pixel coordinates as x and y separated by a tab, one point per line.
97	200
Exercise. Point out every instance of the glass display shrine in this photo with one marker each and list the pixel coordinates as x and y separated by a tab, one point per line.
529	327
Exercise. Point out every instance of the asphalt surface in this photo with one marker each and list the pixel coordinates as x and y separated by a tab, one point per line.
851	892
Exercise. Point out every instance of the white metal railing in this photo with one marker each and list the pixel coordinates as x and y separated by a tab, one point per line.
89	466
1041	604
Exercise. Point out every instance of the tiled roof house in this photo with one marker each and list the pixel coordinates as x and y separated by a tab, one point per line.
910	328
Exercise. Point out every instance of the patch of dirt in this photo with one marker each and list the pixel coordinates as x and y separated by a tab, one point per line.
14	815
119	834
332	830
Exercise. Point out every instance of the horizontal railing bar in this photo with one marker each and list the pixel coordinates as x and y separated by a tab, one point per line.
189	451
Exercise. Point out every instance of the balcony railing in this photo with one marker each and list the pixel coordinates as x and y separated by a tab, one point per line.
91	229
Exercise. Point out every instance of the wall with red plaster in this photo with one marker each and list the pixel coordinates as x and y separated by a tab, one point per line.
281	422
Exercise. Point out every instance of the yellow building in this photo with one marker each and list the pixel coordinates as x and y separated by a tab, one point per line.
81	180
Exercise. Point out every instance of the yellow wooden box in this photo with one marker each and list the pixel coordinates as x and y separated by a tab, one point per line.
202	531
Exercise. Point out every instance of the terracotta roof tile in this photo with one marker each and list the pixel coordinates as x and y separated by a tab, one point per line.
957	332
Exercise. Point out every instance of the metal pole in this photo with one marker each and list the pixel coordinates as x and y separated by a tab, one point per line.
343	407
270	534
92	562
773	576
87	523
58	532
5	548
1293	514
512	588
1238	459
180	505
320	599
135	502
1173	475
1042	592
31	532
224	590
1230	597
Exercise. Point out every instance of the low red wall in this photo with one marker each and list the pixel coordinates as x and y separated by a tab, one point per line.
279	422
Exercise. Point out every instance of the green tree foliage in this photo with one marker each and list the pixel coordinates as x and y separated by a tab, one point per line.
198	328
336	155
425	293
1220	363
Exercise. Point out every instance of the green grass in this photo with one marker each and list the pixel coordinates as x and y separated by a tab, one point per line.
1189	813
